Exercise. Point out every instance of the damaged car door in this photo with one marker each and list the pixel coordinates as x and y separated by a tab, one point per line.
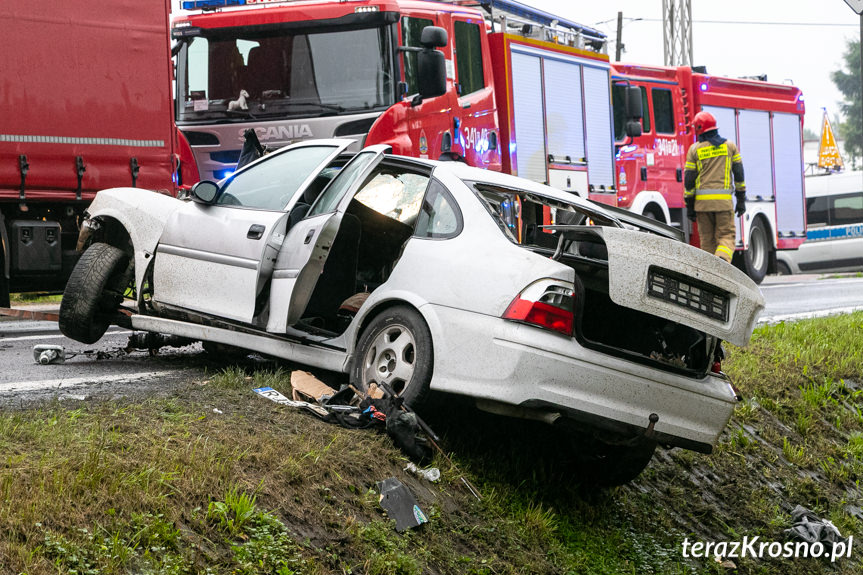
301	260
216	258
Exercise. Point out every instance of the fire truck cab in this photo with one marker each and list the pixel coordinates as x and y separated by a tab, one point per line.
493	83
764	120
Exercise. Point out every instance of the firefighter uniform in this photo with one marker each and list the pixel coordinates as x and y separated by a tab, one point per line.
709	172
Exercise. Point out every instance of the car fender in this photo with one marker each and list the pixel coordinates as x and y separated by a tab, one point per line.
379	301
142	213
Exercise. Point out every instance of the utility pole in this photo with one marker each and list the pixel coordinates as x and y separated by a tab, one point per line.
619	47
677	32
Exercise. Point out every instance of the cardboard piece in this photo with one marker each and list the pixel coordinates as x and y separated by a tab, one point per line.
307	387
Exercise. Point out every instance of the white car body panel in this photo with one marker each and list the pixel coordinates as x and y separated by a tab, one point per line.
142	213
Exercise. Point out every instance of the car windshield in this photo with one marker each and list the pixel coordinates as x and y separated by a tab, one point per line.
298	74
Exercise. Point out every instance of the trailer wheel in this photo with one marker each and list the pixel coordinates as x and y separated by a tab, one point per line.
93	293
757	256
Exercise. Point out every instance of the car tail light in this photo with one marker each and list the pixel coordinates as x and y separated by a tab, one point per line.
549	306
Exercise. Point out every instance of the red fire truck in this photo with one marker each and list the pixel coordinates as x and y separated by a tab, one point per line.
766	122
76	119
366	70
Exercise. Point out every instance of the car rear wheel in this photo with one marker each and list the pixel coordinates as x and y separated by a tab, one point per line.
94	292
602	464
395	351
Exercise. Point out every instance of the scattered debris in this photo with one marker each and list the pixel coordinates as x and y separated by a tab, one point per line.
400	504
430	474
45	354
217	410
307	387
274	395
808	527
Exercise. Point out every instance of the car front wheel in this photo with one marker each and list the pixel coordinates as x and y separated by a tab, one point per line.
93	293
395	352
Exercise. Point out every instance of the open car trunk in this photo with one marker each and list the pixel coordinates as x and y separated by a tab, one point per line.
638	293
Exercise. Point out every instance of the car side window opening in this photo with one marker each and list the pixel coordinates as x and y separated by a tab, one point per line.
522	215
847	209
411	31
272	184
394	194
663	111
468	54
439	216
816	211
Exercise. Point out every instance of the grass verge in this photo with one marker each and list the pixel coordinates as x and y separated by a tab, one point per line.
217	480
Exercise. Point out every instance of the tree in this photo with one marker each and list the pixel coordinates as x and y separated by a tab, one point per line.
848	82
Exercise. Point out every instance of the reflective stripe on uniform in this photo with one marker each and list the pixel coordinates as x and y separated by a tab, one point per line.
689	166
725	250
710	195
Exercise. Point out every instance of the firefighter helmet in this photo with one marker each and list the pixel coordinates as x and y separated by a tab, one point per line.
702	122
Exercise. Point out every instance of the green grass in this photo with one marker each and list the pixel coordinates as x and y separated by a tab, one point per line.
34	297
169	486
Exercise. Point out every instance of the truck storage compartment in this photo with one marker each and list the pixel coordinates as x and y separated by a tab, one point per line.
35	246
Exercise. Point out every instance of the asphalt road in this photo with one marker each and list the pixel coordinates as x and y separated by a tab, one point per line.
800	296
107	368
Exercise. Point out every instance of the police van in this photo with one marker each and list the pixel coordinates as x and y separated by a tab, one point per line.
834	236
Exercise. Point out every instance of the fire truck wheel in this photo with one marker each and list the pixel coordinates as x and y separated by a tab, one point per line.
757	255
395	349
93	293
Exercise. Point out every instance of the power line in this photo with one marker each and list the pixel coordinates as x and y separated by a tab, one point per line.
761	23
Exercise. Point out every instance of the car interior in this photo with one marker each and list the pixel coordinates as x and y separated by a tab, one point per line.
378	222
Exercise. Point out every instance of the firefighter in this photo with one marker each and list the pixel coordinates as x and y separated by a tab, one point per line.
711	163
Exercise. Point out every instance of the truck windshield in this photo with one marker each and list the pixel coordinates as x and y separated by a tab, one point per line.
300	74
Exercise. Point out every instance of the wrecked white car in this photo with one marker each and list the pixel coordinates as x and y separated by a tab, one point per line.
432	276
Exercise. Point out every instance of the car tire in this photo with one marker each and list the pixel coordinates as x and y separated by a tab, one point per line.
756	258
601	464
782	269
93	293
396	349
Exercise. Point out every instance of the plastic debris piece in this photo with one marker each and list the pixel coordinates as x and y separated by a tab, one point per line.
431	474
45	354
276	396
400	504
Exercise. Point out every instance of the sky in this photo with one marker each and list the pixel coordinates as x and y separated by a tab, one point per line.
796	41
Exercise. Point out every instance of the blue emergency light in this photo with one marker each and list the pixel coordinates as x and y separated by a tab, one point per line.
210	4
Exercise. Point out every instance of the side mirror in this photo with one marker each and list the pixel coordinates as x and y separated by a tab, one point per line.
205	192
433	37
633	102
431	63
633	128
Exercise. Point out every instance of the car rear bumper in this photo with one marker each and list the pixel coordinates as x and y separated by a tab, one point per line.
491	359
